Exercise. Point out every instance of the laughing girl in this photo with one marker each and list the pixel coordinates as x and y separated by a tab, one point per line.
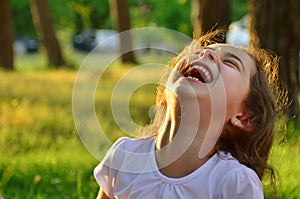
212	132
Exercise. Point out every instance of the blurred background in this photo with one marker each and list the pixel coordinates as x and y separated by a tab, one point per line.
43	44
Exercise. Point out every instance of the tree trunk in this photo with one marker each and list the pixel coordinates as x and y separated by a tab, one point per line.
120	15
277	25
209	15
42	20
6	36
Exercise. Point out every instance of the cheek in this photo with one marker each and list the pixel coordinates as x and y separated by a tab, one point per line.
236	86
236	95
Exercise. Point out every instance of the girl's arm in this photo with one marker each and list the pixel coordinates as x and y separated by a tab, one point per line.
102	195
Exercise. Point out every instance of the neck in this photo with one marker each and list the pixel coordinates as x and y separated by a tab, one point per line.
180	139
183	123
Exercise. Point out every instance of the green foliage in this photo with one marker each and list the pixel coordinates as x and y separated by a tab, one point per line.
169	14
239	8
81	14
22	19
62	13
74	14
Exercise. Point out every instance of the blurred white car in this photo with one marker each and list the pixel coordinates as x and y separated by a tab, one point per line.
25	44
91	38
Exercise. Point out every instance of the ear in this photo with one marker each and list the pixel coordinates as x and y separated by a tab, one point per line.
242	121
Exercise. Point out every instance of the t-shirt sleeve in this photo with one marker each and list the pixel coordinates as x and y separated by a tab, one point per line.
242	183
106	171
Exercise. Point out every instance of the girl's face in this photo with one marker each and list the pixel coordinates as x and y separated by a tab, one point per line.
220	73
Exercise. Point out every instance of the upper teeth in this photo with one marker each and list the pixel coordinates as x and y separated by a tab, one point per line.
207	77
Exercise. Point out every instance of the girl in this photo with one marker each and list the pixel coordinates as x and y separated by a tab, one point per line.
212	131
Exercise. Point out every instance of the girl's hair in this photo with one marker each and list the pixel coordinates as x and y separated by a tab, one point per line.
266	100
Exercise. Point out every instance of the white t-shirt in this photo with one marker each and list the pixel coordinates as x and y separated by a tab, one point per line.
129	171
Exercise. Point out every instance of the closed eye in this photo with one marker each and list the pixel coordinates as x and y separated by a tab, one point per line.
235	60
231	63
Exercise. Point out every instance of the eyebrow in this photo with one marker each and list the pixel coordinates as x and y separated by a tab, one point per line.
230	55
236	57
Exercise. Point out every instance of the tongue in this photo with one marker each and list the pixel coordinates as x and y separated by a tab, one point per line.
197	74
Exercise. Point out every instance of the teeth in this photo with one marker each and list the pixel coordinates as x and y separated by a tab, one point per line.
194	78
207	77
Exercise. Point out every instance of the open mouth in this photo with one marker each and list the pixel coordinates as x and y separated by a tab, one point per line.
199	73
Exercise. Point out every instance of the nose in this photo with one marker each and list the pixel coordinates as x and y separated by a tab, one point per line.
209	54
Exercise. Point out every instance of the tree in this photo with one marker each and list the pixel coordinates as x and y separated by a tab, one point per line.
22	20
120	14
175	15
277	25
42	20
209	15
6	36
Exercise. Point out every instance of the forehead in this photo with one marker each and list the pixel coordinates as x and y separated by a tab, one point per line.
229	49
224	49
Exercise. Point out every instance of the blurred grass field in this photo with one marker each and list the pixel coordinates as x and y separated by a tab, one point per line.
41	153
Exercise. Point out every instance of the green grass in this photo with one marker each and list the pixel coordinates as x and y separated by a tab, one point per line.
41	153
285	158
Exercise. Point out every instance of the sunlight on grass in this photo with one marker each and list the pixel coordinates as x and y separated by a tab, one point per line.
286	159
41	153
42	156
30	62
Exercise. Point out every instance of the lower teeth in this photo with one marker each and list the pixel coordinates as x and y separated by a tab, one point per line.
195	78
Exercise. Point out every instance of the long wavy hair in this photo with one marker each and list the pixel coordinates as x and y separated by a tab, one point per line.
266	100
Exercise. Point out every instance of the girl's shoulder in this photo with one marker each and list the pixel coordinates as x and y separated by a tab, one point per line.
130	155
233	175
232	166
135	145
